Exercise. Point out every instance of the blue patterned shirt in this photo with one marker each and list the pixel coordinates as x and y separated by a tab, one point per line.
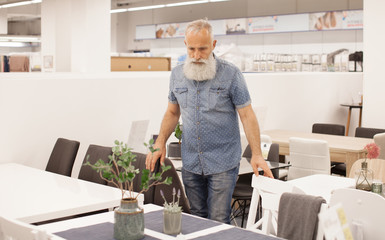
211	139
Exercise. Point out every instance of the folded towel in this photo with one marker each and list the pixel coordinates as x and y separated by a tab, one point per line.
298	216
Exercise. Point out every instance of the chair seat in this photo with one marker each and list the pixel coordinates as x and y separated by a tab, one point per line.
339	168
243	192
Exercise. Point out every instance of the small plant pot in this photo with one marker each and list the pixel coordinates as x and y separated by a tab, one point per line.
172	222
174	150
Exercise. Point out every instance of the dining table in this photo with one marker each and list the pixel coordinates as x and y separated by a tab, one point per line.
33	195
344	149
100	226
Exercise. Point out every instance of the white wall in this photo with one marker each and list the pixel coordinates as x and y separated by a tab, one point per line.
37	108
374	77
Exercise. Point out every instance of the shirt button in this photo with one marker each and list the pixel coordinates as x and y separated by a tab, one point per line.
199	138
201	153
197	108
197	123
198	92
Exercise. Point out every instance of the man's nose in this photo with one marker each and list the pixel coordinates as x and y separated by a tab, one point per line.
197	55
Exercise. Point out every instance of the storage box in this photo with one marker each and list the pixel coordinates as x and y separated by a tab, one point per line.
140	64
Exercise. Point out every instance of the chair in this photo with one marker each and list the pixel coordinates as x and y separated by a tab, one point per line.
379	139
364	212
377	165
168	189
270	191
17	230
367	132
332	129
93	154
63	156
308	157
243	190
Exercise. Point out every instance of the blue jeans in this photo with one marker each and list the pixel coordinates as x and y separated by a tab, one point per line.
210	196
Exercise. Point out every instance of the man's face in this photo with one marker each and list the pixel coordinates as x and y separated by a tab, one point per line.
199	45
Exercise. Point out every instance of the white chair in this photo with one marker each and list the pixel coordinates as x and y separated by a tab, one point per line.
379	139
364	212
11	229
270	191
308	157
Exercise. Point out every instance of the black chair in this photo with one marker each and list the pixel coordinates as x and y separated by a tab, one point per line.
63	157
243	189
332	129
167	189
93	154
367	132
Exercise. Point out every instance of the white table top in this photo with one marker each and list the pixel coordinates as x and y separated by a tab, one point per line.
33	195
109	217
322	185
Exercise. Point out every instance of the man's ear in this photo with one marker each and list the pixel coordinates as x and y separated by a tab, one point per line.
185	43
214	43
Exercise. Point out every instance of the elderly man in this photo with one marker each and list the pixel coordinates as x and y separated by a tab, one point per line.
208	92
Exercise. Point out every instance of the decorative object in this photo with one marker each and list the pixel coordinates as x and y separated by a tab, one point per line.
174	148
172	214
364	176
119	171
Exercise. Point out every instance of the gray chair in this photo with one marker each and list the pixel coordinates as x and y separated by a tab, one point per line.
94	153
243	190
364	132
332	129
63	156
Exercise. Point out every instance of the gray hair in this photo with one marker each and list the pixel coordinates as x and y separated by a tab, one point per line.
197	25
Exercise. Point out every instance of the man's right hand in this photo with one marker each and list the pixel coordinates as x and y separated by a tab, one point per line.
153	157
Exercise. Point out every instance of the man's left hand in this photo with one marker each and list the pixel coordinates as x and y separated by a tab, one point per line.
258	161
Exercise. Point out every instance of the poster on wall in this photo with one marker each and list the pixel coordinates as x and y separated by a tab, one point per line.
171	30
219	27
353	20
145	32
282	23
326	20
235	26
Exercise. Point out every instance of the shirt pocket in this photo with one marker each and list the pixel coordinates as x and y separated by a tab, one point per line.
217	98
181	95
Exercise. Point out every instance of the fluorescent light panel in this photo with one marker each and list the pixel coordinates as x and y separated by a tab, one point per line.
17	4
165	5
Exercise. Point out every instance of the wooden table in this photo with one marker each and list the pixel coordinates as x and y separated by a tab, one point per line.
32	195
342	148
351	106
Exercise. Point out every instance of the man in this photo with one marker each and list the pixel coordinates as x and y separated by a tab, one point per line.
208	92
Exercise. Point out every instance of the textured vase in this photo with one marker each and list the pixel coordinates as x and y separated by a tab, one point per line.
174	150
364	177
129	220
172	222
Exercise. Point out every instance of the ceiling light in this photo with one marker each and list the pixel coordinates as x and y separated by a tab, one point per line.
118	10
16	4
19	39
145	7
186	3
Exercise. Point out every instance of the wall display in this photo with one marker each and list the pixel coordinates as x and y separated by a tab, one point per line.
334	20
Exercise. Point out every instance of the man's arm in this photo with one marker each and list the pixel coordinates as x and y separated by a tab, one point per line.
167	127
251	127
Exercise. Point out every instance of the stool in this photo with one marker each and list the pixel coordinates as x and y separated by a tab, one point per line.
350	106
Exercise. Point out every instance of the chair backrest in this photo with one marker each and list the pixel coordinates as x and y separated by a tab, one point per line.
367	132
63	156
93	154
379	139
326	128
265	143
168	189
308	157
364	211
270	191
377	165
17	230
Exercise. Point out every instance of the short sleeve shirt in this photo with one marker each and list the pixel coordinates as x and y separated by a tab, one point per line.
211	139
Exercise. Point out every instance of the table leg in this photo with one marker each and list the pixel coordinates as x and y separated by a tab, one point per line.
348	123
359	122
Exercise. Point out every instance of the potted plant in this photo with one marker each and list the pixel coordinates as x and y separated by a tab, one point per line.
172	214
364	176
174	148
119	171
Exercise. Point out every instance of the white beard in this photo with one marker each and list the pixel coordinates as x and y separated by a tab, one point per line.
206	70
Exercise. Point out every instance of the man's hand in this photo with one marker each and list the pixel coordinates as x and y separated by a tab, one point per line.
153	157
258	161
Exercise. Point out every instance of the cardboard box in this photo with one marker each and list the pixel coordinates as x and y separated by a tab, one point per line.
140	64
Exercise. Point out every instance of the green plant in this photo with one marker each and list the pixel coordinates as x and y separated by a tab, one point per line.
178	132
174	205
120	172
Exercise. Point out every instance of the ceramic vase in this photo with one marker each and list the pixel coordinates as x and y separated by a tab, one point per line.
364	177
129	220
172	222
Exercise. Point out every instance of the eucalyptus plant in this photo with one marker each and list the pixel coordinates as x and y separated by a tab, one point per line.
178	132
120	171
